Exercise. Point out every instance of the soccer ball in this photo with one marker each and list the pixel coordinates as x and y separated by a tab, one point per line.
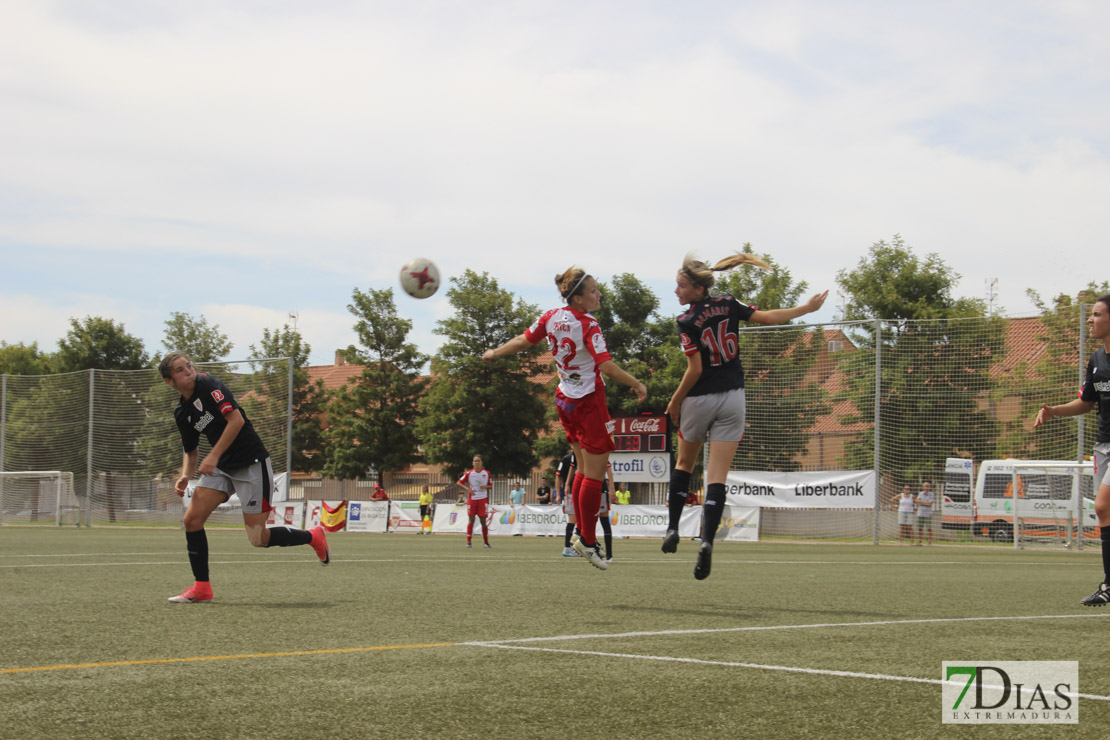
420	278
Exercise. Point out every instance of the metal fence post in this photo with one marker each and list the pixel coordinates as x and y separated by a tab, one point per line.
878	411
89	451
1081	427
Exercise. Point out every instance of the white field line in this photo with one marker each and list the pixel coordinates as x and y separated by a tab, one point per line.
820	625
755	666
516	644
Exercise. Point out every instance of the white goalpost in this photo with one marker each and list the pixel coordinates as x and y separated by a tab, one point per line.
1054	504
38	496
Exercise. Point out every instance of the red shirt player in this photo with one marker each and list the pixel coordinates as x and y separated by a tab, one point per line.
477	484
581	358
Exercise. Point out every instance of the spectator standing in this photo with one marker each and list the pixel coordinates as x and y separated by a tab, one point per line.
905	502
925	512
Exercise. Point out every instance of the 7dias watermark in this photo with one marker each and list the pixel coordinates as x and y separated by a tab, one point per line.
1010	692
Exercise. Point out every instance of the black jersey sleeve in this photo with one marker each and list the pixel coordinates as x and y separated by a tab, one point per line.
1088	392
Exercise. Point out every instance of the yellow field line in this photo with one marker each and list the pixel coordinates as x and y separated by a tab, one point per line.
197	659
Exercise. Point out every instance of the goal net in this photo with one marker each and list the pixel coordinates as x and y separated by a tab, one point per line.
906	400
114	430
38	497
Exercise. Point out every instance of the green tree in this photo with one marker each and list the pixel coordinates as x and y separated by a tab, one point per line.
309	399
99	344
195	337
784	396
1051	379
937	353
641	341
373	418
23	359
493	409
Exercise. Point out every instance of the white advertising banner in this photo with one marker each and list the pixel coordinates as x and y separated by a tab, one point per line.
739	524
281	487
640	467
367	516
453	518
831	489
535	520
287	514
404	517
312	511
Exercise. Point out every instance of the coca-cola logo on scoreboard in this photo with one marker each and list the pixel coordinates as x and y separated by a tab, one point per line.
641	434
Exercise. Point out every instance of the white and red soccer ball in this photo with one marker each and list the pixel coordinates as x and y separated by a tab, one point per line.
420	278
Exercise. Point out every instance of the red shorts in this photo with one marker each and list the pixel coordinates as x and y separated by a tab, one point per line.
476	508
586	421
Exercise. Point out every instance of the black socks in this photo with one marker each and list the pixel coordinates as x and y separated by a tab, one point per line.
676	496
712	511
197	545
286	537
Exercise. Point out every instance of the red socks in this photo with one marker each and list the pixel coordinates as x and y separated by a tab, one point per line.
586	507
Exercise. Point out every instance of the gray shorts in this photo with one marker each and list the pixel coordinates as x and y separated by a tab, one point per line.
716	415
1102	465
905	518
254	485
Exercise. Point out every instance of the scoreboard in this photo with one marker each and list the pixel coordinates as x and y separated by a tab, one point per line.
642	434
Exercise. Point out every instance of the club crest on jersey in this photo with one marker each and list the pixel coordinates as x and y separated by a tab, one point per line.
198	404
217	396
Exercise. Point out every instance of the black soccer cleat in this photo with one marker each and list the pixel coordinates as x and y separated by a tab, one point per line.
1099	597
705	561
670	541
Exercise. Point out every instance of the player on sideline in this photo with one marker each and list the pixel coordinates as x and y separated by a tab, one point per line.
709	401
1095	394
238	462
581	358
477	484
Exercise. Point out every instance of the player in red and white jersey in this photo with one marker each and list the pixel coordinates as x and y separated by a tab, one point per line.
582	358
477	484
709	401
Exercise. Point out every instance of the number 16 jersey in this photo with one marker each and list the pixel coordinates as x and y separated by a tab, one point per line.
578	346
711	328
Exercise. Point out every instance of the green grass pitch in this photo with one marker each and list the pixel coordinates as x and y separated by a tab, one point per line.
407	636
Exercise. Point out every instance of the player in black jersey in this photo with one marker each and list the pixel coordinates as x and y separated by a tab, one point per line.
1095	394
238	463
709	401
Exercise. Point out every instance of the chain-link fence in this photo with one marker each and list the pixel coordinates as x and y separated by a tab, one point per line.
113	430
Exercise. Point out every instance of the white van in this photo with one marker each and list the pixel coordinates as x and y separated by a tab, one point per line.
956	508
1049	493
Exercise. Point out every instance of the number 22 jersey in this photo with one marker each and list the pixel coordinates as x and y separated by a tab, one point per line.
711	328
578	346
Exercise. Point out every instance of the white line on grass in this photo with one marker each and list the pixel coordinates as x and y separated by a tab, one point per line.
734	664
821	625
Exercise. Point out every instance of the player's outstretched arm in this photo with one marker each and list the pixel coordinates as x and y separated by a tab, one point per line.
518	343
612	370
782	315
1071	408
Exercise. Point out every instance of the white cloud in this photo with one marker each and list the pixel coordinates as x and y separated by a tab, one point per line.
280	155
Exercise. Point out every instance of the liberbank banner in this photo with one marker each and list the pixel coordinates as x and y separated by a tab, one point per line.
832	489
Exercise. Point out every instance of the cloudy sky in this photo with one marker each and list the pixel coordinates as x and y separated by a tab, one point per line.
244	160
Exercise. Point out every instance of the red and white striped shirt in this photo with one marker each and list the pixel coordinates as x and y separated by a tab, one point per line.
577	345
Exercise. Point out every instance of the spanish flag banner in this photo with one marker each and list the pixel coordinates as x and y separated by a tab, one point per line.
333	519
